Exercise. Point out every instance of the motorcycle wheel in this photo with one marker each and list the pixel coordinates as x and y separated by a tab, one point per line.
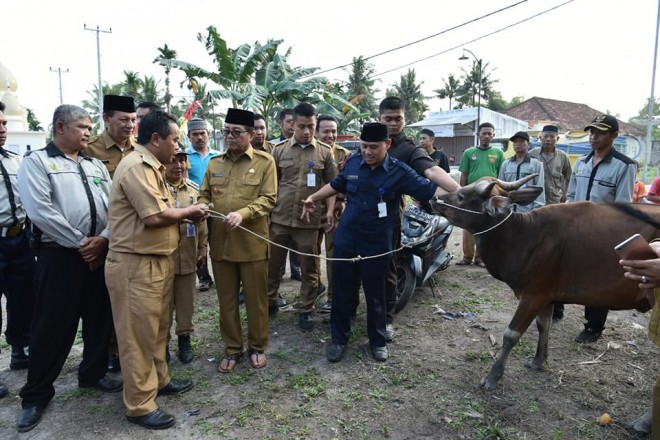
405	286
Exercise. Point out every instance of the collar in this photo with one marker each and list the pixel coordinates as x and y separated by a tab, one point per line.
525	159
385	164
607	157
313	143
4	152
191	150
109	142
249	153
52	151
148	157
181	184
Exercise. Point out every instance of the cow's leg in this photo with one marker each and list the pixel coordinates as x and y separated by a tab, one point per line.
523	317
543	325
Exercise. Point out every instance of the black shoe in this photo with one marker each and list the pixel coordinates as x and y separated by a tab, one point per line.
29	418
113	364
379	354
588	336
326	308
281	302
176	387
305	322
105	384
185	350
3	390
273	309
156	419
20	358
335	352
296	273
389	332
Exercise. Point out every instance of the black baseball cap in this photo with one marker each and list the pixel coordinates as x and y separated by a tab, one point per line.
604	123
520	134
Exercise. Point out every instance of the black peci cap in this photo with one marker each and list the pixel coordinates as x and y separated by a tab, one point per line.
118	103
521	134
240	117
374	132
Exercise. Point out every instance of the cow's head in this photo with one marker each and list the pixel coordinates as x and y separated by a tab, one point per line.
484	200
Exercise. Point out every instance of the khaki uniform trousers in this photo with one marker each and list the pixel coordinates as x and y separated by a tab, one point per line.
305	240
328	237
140	288
254	277
470	247
183	303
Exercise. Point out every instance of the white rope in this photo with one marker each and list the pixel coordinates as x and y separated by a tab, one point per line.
216	214
442	202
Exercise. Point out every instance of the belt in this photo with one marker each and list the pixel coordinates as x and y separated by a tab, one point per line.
11	231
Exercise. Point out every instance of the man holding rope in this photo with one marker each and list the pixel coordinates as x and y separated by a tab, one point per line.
374	183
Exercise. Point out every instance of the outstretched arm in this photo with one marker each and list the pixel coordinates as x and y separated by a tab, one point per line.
322	194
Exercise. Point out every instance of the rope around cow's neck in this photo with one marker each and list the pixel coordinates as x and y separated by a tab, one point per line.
442	202
216	214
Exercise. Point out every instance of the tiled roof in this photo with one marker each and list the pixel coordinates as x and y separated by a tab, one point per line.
566	115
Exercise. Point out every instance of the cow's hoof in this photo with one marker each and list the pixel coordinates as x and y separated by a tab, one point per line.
643	424
488	384
532	365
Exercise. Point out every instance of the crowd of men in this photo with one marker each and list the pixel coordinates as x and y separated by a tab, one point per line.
118	230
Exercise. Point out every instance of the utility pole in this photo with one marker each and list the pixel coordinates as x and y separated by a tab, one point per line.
59	74
479	64
649	121
98	59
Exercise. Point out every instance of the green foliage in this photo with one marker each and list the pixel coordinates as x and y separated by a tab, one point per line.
411	94
450	90
33	123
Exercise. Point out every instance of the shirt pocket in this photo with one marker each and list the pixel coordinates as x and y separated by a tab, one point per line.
607	184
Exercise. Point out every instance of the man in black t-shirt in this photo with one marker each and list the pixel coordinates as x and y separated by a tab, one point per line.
426	139
391	112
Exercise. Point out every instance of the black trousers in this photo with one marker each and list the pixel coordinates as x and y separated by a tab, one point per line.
17	284
595	317
346	277
66	291
392	279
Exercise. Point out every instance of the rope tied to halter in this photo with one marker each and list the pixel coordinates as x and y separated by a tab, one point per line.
442	202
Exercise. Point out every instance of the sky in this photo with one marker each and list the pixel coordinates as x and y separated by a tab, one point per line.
595	52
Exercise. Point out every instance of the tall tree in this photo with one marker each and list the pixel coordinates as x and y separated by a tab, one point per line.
411	94
132	84
92	104
360	88
469	91
165	56
450	90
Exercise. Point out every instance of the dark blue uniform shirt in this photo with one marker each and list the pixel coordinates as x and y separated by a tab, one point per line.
361	231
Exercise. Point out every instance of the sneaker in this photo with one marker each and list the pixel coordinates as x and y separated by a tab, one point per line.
296	273
588	336
326	308
335	352
281	302
389	332
20	357
305	322
113	364
379	354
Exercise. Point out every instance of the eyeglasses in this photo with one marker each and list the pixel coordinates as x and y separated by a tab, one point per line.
235	132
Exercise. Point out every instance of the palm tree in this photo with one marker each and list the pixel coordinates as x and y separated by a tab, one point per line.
469	90
92	104
166	55
361	84
450	90
132	84
411	94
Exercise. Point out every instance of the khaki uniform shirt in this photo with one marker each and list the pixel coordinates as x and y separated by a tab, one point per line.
105	149
8	217
139	191
266	147
294	164
339	154
193	238
557	171
249	187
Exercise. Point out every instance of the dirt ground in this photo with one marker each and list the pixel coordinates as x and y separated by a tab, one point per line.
428	389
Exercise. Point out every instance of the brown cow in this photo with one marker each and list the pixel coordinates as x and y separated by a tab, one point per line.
558	253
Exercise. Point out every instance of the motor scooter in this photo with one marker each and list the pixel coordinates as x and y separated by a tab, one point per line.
424	238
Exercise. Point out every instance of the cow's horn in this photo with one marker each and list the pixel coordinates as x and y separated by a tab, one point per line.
484	187
510	186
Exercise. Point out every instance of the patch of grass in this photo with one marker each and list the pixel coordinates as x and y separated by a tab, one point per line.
533	406
101	409
207	314
558	435
239	376
524	349
309	384
492	430
304	410
78	393
472	356
378	395
470	301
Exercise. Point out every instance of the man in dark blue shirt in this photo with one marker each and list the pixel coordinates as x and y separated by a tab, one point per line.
373	183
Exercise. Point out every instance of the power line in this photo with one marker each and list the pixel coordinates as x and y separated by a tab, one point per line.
425	38
476	39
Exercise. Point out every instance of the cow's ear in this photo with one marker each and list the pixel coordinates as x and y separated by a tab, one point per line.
497	205
525	196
